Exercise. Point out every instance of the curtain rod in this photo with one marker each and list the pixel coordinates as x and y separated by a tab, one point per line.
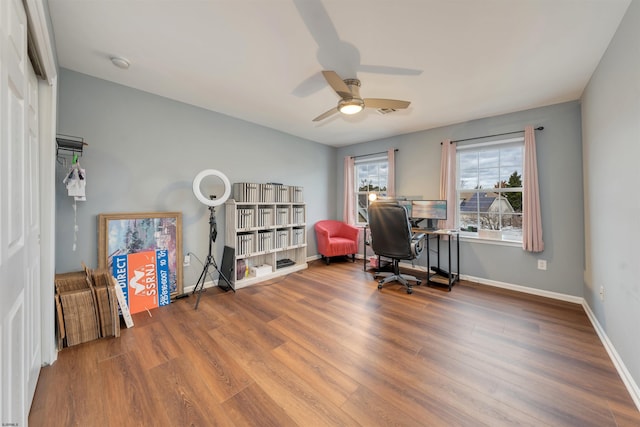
373	154
497	134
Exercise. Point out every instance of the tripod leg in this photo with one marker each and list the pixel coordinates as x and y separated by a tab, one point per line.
201	280
228	286
195	288
221	275
198	299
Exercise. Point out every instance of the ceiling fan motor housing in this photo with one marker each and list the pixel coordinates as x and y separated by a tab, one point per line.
354	88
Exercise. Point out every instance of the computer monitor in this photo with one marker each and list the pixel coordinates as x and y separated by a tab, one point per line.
430	210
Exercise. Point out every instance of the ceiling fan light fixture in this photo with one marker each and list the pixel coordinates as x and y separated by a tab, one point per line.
350	106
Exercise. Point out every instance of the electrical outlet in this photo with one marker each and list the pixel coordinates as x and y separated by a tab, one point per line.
542	264
187	260
601	293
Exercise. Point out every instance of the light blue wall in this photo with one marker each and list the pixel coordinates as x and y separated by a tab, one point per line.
611	141
559	154
145	150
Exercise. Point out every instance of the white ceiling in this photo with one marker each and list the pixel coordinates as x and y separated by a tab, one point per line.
261	60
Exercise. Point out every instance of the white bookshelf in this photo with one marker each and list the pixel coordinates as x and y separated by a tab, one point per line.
265	227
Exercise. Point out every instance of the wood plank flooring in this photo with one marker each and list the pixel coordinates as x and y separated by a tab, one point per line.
325	347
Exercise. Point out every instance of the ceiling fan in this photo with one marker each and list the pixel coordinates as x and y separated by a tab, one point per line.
350	100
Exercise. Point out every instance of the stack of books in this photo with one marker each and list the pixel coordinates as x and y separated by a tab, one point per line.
245	192
245	218
244	244
265	240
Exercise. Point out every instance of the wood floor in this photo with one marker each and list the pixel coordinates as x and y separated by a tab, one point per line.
325	347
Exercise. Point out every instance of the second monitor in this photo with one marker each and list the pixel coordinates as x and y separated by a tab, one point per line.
430	210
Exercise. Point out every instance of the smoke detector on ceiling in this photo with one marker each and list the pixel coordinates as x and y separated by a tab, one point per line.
120	62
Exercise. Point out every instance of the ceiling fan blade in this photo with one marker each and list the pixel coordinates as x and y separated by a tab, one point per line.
326	114
394	104
383	69
337	84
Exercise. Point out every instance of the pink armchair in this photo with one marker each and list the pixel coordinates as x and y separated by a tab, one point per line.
336	238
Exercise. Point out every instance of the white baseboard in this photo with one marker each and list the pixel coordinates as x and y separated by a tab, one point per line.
524	289
627	379
189	289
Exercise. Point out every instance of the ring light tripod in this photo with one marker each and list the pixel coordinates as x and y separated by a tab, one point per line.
212	202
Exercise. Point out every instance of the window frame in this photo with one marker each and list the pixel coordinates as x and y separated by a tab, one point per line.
378	160
509	239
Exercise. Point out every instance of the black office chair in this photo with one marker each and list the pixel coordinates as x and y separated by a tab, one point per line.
391	237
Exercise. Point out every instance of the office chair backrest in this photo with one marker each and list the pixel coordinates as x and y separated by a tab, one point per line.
390	230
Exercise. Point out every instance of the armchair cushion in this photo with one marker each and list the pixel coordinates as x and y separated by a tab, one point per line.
336	238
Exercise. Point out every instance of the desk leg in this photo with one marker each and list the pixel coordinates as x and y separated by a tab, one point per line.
458	257
364	261
450	266
438	239
428	237
364	248
449	275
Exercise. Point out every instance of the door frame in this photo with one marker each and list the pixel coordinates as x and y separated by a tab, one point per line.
40	32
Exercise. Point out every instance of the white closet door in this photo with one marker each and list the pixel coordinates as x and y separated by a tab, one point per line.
19	222
33	296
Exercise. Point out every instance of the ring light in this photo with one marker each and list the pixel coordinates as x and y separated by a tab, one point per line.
206	200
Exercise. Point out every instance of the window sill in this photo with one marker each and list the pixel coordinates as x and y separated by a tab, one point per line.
486	241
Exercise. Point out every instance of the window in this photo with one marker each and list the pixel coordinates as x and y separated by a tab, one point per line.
489	189
371	176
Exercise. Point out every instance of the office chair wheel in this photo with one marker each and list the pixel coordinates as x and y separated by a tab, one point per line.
379	285
409	290
419	282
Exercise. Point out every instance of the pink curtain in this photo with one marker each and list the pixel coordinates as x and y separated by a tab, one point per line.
531	219
348	213
448	182
391	179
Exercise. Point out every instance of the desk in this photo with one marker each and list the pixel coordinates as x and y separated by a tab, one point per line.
437	275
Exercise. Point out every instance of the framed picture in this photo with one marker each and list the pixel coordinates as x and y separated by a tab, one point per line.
143	252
